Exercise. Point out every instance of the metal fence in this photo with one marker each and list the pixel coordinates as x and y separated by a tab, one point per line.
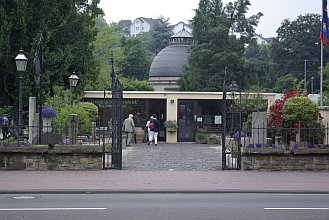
276	138
58	134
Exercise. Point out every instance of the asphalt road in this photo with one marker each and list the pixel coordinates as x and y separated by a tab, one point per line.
146	206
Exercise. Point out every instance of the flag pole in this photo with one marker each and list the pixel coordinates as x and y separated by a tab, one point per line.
323	37
321	74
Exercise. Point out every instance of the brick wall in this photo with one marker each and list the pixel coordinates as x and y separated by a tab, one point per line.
59	158
295	160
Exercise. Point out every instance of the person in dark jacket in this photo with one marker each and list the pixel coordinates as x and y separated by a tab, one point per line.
154	127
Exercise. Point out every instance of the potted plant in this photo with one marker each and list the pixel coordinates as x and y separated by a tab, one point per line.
170	125
213	139
201	138
47	115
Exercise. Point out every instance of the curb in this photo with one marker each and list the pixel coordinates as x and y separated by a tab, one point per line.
164	191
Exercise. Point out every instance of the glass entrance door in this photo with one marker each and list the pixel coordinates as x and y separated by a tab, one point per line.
186	121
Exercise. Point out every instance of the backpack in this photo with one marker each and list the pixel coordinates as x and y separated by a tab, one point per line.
151	125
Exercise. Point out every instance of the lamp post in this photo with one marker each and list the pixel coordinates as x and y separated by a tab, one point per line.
312	78
73	79
21	62
224	127
234	89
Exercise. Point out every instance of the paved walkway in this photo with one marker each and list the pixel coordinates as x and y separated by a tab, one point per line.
165	168
182	156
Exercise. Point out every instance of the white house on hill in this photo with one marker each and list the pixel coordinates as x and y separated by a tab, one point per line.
141	24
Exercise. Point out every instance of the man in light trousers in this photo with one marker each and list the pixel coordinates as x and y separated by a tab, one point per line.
129	128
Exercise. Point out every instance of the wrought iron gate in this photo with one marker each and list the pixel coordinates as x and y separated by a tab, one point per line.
116	134
231	132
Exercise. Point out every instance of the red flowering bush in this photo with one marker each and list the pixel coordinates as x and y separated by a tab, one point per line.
275	114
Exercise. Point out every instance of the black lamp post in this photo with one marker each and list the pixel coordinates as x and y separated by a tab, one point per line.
21	62
73	79
312	78
234	89
224	128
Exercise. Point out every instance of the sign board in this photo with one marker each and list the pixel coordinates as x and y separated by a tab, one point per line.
218	119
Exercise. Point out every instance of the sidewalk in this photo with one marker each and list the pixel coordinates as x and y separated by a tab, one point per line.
129	181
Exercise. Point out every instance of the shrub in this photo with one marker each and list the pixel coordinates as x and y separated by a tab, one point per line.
170	124
300	109
61	122
200	136
91	108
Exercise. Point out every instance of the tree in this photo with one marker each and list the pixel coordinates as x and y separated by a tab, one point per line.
68	28
123	27
136	64
260	52
106	44
221	34
160	32
285	83
296	42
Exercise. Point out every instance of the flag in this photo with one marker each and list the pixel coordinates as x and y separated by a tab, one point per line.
324	24
38	61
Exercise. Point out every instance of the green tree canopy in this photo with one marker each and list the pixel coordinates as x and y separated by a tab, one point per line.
136	64
300	110
221	34
285	83
160	32
68	30
297	41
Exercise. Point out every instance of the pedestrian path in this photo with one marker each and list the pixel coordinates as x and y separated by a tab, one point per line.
179	157
166	168
128	181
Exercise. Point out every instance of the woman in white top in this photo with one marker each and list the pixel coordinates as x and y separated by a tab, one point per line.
148	128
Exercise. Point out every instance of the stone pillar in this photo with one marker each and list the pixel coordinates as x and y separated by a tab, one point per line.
259	125
73	128
93	131
33	119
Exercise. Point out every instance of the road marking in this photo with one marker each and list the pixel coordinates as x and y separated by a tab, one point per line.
296	208
24	197
50	209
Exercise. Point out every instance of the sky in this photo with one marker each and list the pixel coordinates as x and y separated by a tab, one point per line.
275	11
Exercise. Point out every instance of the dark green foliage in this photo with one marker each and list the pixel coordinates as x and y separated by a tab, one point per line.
135	65
297	41
160	32
285	83
217	47
123	27
68	29
135	85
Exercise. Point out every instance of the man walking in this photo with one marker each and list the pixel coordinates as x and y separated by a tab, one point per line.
154	127
129	128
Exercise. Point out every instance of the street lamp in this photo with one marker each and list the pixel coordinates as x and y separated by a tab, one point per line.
312	78
21	62
73	79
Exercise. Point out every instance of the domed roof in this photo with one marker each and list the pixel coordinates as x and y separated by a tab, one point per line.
170	61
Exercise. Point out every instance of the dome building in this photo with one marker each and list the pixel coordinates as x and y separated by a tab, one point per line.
168	65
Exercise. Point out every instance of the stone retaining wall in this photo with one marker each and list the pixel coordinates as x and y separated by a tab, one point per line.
66	157
279	160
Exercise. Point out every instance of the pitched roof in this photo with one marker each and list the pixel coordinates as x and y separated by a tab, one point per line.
182	33
149	20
